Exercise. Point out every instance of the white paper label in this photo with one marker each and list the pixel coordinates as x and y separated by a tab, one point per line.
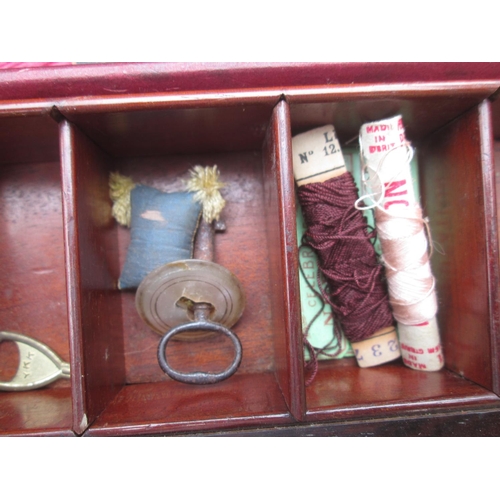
386	157
421	346
317	156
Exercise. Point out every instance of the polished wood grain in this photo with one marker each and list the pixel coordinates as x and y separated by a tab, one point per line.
495	116
484	422
283	259
454	199
341	390
172	124
492	234
242	400
93	300
28	139
133	78
46	411
33	296
496	147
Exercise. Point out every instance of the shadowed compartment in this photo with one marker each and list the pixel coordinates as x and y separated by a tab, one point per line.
33	295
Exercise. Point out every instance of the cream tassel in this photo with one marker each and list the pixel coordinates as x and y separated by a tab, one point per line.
205	182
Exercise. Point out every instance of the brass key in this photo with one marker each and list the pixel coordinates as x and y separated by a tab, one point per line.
38	364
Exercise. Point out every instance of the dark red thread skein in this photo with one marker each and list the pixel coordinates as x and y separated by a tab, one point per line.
339	234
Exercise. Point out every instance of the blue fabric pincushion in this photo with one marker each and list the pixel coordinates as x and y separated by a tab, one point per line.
163	227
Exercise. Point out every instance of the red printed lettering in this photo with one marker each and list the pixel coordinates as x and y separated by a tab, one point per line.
381	149
412	349
387	204
432	350
390	188
371	129
412	364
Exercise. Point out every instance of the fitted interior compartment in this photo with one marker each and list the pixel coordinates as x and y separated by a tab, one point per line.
451	137
32	270
113	343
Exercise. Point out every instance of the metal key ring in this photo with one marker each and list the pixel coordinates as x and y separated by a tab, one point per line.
199	377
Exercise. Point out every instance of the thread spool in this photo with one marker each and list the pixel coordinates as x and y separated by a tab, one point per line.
401	228
318	159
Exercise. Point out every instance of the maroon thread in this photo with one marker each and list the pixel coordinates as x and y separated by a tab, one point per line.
311	366
339	233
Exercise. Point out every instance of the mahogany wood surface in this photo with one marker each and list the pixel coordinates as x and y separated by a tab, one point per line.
341	390
495	116
132	127
454	199
484	422
28	139
242	400
195	100
283	260
94	303
496	147
46	411
131	78
491	235
33	294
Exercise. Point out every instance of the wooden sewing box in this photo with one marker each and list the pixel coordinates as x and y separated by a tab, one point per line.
64	129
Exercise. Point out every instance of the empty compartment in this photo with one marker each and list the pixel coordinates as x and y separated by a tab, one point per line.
32	269
451	135
156	143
